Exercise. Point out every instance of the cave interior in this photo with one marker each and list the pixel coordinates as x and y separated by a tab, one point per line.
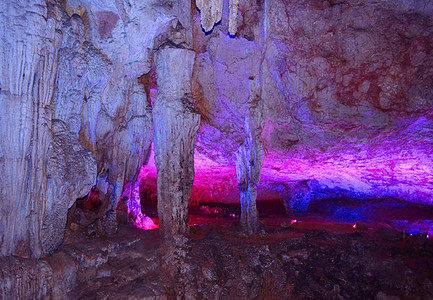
216	149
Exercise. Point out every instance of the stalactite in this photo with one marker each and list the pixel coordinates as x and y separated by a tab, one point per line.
233	25
211	12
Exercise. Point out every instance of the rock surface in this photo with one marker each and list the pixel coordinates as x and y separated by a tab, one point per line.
176	124
333	92
283	264
347	97
74	112
44	167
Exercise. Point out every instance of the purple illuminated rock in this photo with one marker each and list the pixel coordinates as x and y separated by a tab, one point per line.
347	93
297	197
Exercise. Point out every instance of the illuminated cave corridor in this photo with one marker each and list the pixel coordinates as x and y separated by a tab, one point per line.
216	149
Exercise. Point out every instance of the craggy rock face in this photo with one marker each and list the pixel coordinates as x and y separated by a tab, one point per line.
73	111
331	92
347	92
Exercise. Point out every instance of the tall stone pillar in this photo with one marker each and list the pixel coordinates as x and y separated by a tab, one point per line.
249	158
175	127
248	168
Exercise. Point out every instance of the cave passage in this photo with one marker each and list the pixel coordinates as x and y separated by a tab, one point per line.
215	201
230	149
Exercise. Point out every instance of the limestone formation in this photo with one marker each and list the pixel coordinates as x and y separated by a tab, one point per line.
176	123
249	159
136	217
255	100
333	89
233	23
297	197
44	166
211	12
335	92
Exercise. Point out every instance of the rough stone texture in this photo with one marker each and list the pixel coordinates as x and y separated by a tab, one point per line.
297	197
333	91
283	264
136	217
233	24
125	32
211	13
44	167
71	70
176	123
340	94
229	87
249	158
347	96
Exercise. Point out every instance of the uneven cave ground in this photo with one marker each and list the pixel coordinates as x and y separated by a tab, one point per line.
338	249
293	96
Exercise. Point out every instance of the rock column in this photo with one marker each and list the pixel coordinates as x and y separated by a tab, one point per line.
176	123
249	158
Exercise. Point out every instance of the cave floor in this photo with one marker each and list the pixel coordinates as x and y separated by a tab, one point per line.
302	260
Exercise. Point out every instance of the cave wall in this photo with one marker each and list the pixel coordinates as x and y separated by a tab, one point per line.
330	91
44	167
346	90
74	112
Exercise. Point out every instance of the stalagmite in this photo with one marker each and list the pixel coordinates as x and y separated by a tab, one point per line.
133	205
249	159
176	123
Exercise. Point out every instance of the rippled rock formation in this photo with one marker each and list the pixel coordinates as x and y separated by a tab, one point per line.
244	101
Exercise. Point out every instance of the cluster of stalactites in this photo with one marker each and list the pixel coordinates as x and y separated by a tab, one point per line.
211	13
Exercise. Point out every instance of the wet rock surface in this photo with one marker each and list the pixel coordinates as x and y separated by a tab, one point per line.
291	263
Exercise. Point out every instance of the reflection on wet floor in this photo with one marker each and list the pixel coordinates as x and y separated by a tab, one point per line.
330	215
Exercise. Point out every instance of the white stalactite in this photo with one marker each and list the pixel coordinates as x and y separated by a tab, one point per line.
233	25
211	12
